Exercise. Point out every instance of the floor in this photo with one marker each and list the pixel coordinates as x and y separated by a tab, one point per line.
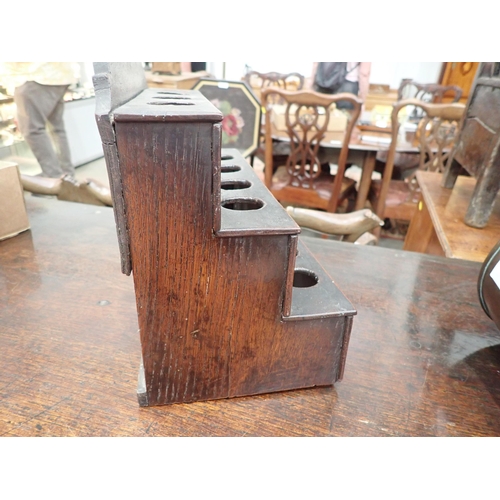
96	170
28	165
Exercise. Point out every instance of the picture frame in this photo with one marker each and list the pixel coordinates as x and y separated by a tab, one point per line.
241	110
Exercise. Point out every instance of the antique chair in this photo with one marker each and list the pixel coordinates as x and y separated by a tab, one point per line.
300	180
258	82
477	150
434	137
428	92
287	81
406	163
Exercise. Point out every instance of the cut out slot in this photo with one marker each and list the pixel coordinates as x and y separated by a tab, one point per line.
229	168
172	103
229	185
226	157
243	204
303	278
167	92
172	97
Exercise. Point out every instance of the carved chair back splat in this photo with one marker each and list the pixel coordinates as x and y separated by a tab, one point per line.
303	182
435	136
259	81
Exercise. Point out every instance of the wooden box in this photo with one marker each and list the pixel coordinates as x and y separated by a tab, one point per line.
229	301
13	216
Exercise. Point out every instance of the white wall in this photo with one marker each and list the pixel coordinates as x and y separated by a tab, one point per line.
388	73
393	72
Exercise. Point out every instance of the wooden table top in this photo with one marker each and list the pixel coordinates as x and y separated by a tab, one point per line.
424	360
334	140
447	208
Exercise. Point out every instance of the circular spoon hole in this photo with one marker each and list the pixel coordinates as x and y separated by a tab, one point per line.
243	204
303	278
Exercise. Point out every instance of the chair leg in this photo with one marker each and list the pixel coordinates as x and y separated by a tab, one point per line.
351	202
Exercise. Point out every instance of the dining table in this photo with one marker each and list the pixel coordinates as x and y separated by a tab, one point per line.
423	357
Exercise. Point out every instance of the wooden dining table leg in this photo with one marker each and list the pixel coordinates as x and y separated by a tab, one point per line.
366	178
420	230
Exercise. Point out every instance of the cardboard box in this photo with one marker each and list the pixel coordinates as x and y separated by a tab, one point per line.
168	68
13	216
337	122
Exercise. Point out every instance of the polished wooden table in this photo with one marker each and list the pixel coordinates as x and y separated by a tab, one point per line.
438	226
424	360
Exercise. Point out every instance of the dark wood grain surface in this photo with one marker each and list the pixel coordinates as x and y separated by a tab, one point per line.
209	293
424	359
